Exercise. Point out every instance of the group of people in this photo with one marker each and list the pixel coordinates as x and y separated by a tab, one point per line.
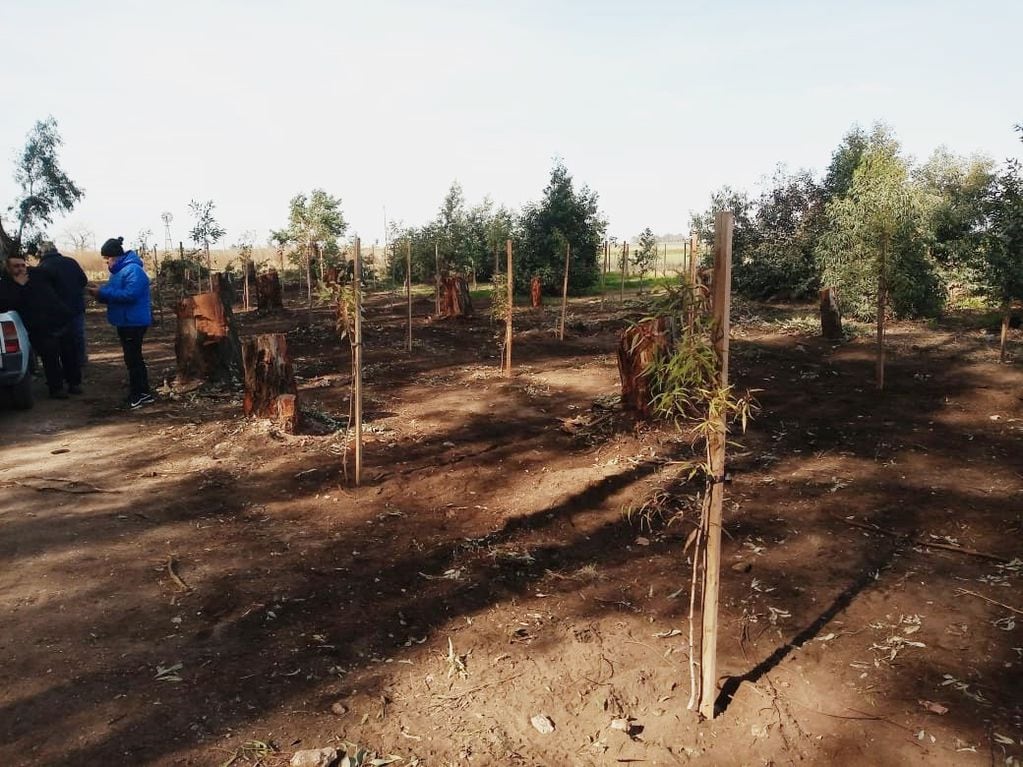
50	299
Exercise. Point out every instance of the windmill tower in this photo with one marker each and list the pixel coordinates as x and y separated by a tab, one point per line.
168	242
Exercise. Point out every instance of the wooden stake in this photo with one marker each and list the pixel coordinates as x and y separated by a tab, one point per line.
436	261
357	363
625	260
508	318
564	294
693	242
408	287
1006	318
723	223
881	287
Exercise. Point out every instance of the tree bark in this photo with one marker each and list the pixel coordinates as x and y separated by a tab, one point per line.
831	317
206	344
269	294
455	300
269	379
638	346
536	293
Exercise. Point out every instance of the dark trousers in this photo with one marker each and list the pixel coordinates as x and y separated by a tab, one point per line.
131	344
59	354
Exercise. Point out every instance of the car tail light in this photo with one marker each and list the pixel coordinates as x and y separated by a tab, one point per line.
11	343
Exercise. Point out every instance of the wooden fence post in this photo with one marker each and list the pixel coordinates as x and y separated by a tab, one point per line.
508	318
408	288
564	294
357	362
436	279
723	224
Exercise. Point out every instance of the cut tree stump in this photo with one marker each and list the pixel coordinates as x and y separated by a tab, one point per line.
831	317
270	389
536	293
638	346
206	343
269	296
455	300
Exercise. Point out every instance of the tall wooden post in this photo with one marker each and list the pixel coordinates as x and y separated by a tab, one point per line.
693	243
408	288
881	290
564	294
625	261
436	261
723	224
357	363
508	318
1006	320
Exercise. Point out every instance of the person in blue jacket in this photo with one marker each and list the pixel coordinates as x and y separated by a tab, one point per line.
126	295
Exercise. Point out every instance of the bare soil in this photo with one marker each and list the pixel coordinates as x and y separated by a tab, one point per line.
184	586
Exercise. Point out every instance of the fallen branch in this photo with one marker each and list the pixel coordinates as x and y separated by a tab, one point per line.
921	541
175	577
960	592
62	485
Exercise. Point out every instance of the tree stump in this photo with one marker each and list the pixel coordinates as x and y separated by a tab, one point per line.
536	293
455	300
269	296
270	389
206	343
638	346
331	276
831	317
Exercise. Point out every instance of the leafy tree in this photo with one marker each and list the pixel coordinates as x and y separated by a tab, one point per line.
314	225
1001	263
873	251
45	187
206	231
646	256
565	213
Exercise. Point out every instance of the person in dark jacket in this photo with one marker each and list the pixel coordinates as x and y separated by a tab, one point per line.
30	292
126	295
70	281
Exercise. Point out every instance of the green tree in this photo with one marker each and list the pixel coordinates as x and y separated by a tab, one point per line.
315	222
45	187
1001	262
206	231
646	256
562	212
873	251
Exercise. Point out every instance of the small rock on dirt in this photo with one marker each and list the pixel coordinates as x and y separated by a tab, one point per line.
742	567
543	724
314	757
339	709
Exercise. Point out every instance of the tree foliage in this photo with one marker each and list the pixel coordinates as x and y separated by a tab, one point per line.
45	188
561	215
206	231
1001	261
874	237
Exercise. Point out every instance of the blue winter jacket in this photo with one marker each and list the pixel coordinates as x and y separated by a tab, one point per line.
126	293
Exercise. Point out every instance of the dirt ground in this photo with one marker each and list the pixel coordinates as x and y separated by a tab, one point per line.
184	586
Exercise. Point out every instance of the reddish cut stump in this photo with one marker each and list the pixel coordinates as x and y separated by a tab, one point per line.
831	317
331	275
638	346
269	296
536	293
455	300
270	389
206	343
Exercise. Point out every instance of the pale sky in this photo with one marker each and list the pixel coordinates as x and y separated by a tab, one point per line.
652	104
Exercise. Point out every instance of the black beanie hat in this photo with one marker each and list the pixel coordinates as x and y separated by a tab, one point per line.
112	248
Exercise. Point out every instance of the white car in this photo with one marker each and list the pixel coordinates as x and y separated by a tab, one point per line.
15	380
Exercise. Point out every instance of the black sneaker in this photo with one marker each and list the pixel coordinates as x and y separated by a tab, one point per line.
140	400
